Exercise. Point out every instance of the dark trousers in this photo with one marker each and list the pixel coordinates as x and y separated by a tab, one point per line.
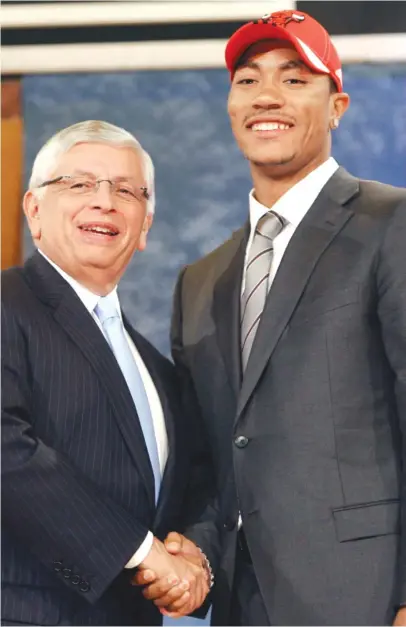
247	606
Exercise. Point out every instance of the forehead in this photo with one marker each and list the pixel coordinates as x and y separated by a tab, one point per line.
269	52
102	160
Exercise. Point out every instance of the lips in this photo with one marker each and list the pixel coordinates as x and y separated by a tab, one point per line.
268	124
100	228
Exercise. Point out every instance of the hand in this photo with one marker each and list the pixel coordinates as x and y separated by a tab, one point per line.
177	584
176	543
400	620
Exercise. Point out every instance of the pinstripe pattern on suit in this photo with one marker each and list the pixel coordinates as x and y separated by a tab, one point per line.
77	481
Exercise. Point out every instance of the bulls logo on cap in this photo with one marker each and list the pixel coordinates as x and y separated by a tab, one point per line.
280	18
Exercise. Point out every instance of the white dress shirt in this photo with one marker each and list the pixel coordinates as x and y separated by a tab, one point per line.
90	300
292	206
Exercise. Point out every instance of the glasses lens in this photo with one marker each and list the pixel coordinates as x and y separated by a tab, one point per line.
80	184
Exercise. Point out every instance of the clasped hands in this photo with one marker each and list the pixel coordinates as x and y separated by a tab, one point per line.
174	576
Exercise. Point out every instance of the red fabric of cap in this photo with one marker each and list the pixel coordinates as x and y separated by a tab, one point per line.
310	39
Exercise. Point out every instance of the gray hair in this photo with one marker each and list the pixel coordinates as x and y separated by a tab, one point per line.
87	132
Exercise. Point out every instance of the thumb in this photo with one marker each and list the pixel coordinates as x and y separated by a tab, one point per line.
173	542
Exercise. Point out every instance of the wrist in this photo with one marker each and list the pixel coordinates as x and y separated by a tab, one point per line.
150	559
207	568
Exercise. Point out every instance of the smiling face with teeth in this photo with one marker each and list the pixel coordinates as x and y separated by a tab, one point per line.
281	111
91	237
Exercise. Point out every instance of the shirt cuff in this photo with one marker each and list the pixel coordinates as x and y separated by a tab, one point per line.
142	552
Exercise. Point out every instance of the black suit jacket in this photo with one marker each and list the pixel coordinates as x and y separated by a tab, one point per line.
322	408
77	484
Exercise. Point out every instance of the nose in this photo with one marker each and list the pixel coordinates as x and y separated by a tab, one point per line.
102	197
269	97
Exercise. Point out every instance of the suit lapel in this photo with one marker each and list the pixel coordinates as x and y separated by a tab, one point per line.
70	313
226	307
319	227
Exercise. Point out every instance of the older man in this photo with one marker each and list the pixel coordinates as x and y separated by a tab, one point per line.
293	336
93	462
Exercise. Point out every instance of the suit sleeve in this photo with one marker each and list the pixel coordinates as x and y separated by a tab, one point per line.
391	287
201	514
55	512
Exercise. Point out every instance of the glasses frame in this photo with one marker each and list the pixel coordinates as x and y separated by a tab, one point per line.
143	189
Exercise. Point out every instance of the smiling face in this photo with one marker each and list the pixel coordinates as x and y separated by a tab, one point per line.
281	111
92	237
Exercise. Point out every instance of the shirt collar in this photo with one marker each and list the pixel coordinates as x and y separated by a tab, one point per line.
88	298
296	202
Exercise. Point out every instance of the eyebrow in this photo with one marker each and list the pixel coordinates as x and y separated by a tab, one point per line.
83	173
287	65
93	175
293	64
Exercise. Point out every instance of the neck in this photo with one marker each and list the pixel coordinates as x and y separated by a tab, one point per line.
270	184
96	280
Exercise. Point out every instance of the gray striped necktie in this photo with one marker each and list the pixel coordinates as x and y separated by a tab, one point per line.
256	280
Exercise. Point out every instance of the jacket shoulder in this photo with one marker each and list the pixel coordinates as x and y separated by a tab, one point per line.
381	195
13	285
215	258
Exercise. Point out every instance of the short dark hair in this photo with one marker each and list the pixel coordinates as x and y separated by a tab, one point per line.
333	86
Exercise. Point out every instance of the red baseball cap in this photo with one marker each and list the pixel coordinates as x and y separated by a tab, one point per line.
311	40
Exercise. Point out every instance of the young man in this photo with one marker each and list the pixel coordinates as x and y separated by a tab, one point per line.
292	335
94	445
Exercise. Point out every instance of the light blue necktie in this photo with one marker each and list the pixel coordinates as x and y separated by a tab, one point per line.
106	311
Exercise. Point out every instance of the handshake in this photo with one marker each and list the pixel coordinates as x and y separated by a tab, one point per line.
176	576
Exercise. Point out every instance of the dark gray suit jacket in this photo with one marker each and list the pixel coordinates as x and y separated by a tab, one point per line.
77	483
322	408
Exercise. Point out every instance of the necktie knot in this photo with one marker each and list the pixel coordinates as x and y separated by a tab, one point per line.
106	309
270	225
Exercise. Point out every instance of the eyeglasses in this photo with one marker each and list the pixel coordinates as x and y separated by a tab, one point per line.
85	186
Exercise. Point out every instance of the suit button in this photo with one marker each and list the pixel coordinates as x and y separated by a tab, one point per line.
57	566
75	580
241	441
67	573
84	586
229	525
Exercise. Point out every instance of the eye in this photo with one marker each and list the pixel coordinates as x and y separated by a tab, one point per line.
125	191
81	184
295	81
245	81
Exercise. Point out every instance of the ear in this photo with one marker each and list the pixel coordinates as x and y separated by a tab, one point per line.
32	212
339	105
142	242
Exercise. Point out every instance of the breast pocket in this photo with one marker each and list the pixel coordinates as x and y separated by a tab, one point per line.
325	303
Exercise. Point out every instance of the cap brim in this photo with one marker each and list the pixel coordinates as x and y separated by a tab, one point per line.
252	33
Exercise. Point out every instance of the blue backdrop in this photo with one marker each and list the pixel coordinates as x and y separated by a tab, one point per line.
202	179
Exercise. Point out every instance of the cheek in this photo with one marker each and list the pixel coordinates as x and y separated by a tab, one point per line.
235	107
315	123
60	220
132	225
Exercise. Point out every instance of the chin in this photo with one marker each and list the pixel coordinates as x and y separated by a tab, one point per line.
266	157
98	260
266	161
